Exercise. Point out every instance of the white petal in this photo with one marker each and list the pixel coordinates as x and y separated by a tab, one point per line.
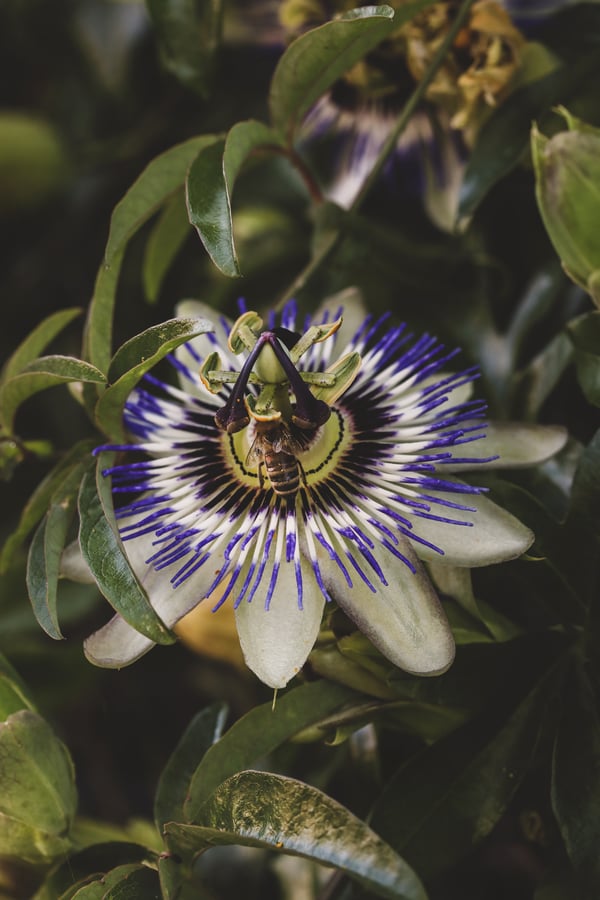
115	645
494	535
404	619
514	443
73	566
276	642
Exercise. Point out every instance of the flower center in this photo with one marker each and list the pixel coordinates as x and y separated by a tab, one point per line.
279	431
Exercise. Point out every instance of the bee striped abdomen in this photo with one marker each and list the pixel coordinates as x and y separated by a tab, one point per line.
283	470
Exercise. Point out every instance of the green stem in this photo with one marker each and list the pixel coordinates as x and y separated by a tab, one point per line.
416	97
412	103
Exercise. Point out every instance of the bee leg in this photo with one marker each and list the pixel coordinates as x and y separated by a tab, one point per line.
261	477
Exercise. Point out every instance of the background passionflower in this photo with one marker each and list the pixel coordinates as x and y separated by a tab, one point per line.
320	467
488	57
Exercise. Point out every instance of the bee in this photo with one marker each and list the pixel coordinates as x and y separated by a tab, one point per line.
275	447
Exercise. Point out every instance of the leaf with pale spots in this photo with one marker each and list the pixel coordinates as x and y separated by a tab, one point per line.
258	733
259	809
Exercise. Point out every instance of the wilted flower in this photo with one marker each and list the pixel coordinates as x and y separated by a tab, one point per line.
300	464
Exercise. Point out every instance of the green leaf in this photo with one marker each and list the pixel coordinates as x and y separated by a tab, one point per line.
44	372
257	809
13	693
165	241
452	794
210	185
102	884
188	35
136	357
37	789
103	551
258	733
203	731
504	138
97	343
37	341
585	335
576	778
37	504
88	865
161	178
314	61
139	883
43	567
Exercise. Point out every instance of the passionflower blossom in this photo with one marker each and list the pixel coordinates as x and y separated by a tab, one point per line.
305	462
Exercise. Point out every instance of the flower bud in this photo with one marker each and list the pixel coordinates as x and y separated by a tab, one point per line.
567	169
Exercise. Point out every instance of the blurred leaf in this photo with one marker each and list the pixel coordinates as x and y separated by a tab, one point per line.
188	34
37	504
258	809
504	138
576	778
563	553
585	496
210	186
165	241
139	883
258	733
37	789
172	873
136	357
102	885
44	372
37	341
457	582
103	551
86	865
585	335
34	164
452	794
542	295
532	385
13	693
161	178
203	731
314	61
43	567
